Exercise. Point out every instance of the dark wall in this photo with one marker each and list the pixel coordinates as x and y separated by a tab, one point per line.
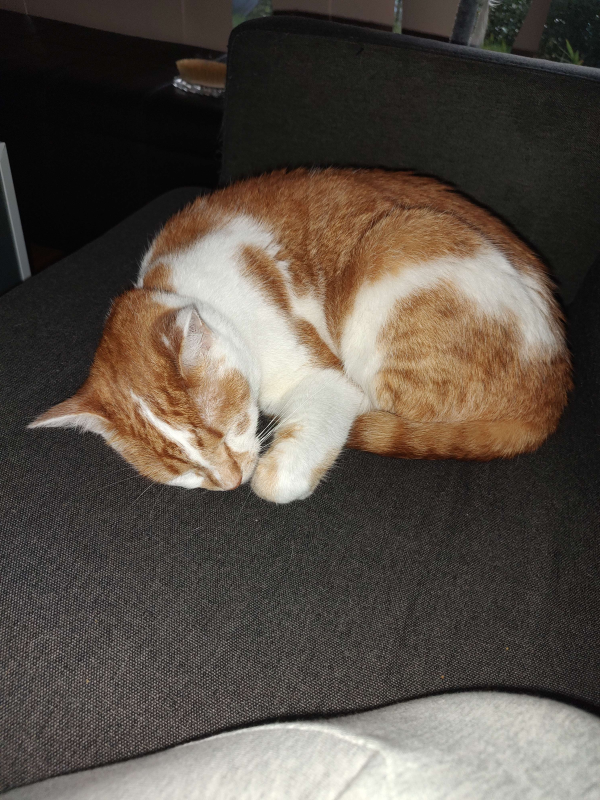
94	128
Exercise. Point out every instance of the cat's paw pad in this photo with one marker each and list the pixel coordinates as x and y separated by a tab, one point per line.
276	481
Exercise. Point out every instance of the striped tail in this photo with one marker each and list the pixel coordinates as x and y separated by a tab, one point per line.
389	435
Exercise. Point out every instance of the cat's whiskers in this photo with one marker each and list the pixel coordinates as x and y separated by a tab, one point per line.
150	485
275	423
244	504
161	488
276	419
266	432
281	419
108	485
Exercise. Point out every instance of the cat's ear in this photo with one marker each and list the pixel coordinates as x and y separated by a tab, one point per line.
72	413
196	338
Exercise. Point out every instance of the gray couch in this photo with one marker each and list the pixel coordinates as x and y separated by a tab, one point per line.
134	617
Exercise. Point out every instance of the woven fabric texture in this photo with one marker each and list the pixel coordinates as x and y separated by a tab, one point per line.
134	617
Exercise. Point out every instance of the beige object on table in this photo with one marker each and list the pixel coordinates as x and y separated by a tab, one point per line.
201	72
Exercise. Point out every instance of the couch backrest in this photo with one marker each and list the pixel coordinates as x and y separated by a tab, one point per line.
521	136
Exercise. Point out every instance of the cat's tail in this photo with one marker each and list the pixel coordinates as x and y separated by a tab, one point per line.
478	440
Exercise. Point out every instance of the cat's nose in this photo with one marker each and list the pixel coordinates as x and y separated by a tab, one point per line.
230	477
231	483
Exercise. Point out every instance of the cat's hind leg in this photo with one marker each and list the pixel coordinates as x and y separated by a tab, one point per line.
316	416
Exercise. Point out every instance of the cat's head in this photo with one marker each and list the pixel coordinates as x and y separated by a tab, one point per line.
173	390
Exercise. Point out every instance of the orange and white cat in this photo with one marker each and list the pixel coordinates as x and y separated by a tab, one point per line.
378	310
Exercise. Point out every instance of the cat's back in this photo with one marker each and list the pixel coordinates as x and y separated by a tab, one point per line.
319	219
343	234
317	243
291	233
316	219
308	211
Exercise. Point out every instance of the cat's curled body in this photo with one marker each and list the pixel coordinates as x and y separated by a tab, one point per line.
376	309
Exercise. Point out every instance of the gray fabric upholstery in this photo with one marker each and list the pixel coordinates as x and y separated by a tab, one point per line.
134	617
516	134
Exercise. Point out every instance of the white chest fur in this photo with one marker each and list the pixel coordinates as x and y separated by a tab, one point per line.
212	272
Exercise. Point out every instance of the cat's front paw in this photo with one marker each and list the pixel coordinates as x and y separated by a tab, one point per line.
276	480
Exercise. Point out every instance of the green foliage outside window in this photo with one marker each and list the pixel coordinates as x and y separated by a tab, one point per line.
504	23
573	30
571	33
250	9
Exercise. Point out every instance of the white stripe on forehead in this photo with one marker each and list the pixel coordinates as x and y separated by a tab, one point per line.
180	437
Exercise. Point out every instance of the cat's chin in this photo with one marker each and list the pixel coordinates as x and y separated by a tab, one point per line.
188	480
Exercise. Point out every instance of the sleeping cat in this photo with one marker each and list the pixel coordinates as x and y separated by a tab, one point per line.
378	310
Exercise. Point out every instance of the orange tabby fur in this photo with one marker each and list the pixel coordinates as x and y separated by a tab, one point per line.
452	383
358	240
